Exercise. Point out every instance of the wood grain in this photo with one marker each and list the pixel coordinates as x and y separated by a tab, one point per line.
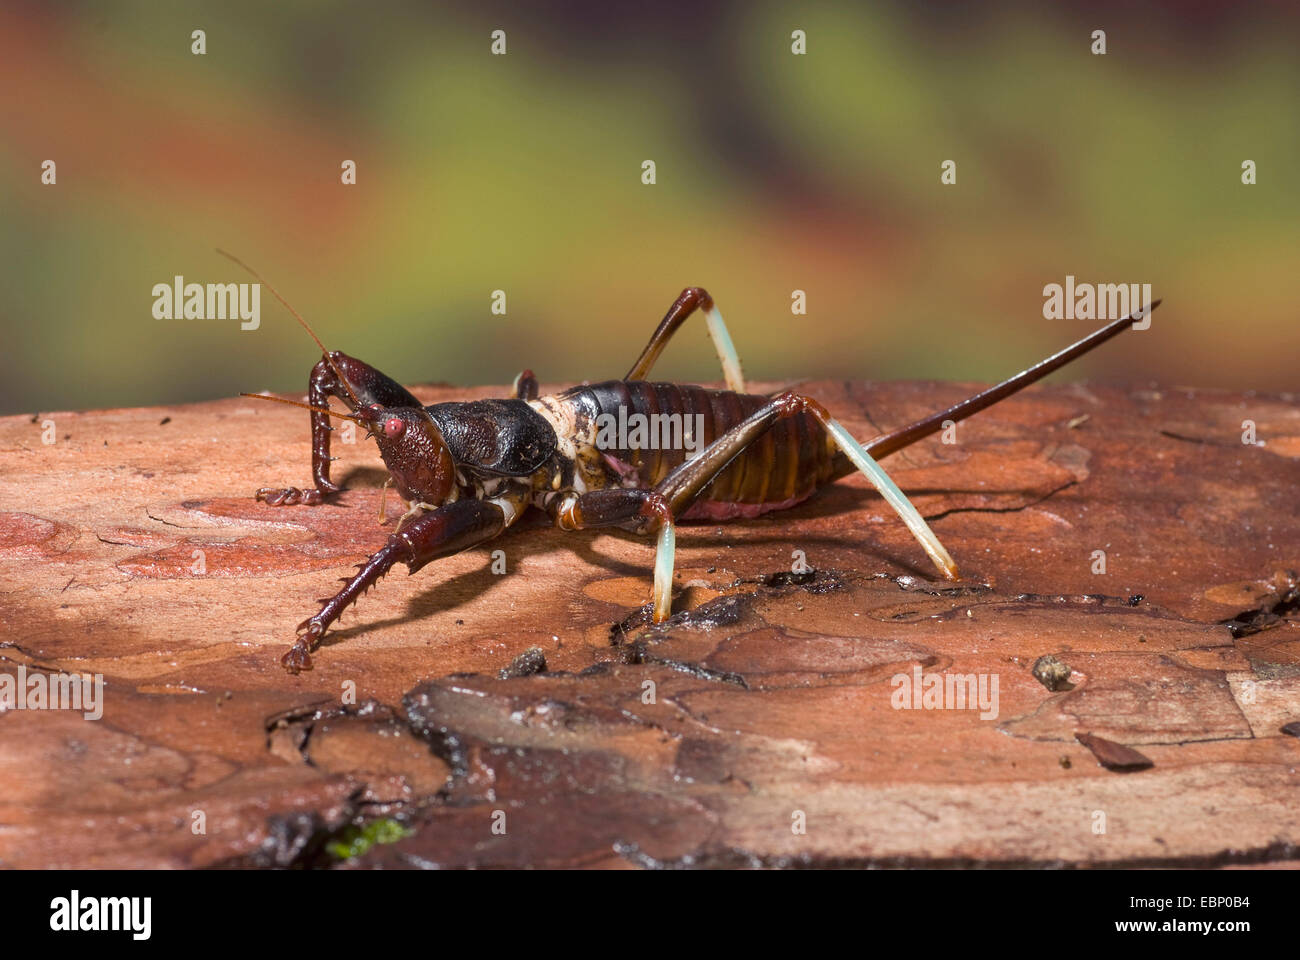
774	734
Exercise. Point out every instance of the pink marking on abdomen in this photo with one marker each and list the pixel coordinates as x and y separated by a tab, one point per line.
720	510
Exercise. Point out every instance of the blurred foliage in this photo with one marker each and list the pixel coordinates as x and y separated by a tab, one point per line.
775	172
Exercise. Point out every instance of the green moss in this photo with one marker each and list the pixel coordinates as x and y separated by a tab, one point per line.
355	841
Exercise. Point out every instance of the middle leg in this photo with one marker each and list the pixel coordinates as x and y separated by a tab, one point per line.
525	387
363	381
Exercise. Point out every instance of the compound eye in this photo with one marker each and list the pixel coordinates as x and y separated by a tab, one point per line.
394	427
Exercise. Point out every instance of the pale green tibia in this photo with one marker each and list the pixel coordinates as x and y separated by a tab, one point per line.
731	371
894	497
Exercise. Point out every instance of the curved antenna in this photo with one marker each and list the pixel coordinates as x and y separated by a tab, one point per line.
308	406
297	316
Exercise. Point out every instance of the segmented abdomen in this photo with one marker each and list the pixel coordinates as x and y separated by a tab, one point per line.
783	466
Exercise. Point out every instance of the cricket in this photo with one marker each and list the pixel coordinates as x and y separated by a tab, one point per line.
468	470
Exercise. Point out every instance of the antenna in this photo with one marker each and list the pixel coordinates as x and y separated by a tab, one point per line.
308	406
325	353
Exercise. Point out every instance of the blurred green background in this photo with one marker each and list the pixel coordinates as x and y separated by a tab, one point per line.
522	172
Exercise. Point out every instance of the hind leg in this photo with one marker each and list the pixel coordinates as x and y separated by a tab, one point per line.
644	510
692	299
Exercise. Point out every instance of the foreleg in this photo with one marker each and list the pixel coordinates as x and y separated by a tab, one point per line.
439	533
369	386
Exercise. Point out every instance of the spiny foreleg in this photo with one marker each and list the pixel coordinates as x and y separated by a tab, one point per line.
439	533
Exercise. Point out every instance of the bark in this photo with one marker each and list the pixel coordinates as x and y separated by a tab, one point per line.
768	723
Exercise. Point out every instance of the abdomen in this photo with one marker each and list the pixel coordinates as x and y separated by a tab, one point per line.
783	466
